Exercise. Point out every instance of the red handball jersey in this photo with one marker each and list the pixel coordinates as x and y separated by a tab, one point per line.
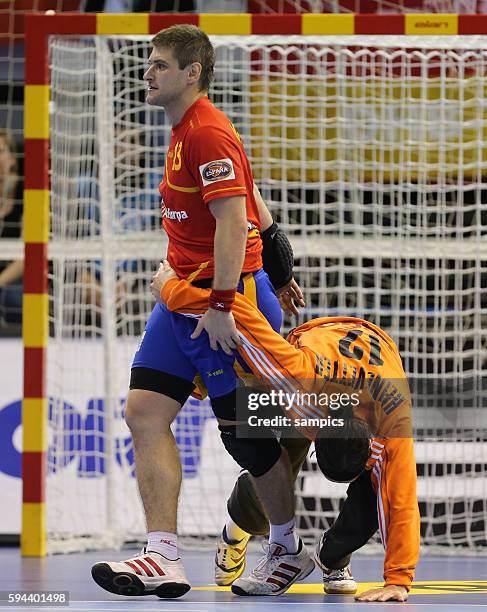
205	161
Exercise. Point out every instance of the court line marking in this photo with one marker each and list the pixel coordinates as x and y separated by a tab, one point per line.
249	599
428	587
338	606
122	603
70	608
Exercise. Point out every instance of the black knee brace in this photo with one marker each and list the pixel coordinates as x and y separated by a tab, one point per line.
257	455
224	407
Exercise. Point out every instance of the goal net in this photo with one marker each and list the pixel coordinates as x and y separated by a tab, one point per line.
371	154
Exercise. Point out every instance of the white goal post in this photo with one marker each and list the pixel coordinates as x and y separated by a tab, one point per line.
370	152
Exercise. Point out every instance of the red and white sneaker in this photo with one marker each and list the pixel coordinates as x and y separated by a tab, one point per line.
276	572
148	573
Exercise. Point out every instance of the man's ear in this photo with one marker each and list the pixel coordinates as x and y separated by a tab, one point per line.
194	72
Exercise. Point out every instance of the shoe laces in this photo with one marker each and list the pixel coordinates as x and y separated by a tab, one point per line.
268	563
142	551
338	574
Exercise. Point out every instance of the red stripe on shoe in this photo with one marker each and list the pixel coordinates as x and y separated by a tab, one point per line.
289	568
134	567
154	565
282	575
144	567
279	583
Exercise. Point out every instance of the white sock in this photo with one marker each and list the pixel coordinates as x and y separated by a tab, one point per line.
285	535
232	533
164	543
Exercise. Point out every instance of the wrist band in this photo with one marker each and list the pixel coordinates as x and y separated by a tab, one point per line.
222	300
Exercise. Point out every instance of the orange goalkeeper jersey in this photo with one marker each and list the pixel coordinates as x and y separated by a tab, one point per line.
319	355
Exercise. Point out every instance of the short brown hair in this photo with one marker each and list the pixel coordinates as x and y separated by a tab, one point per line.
189	44
341	453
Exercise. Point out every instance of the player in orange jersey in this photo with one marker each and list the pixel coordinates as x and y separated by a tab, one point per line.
221	236
373	450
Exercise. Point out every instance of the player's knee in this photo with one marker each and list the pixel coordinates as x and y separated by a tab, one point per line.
144	412
257	455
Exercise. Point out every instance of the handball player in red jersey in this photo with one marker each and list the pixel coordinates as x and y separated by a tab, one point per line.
221	236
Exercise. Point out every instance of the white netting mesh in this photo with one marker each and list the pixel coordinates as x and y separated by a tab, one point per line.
367	6
371	155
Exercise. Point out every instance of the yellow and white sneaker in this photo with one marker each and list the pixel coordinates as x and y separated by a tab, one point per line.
229	560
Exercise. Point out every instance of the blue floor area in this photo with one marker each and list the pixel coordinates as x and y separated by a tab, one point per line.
457	585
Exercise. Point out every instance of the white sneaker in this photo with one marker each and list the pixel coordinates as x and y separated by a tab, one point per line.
229	561
275	572
339	582
335	581
148	573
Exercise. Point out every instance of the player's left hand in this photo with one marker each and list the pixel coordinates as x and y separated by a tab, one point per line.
160	278
387	593
289	296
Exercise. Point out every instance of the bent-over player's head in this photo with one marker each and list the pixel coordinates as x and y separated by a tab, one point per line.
182	56
342	452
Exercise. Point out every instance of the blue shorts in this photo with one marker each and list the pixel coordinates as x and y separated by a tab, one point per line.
166	345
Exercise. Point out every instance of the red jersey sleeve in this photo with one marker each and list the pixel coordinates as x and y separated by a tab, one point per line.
218	162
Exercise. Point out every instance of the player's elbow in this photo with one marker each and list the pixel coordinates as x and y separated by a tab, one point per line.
240	237
241	230
234	228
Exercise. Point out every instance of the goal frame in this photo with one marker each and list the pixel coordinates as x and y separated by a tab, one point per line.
35	331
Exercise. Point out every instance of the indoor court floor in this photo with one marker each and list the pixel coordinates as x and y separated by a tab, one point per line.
446	584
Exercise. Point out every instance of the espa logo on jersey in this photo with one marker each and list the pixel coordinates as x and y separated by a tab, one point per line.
217	170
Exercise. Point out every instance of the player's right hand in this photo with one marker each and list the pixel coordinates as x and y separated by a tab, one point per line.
221	330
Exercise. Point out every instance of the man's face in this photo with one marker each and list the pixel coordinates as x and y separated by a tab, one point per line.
165	81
